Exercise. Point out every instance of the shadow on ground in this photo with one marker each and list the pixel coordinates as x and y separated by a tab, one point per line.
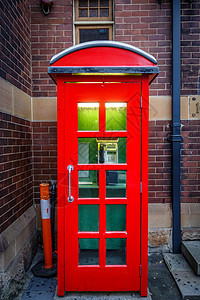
161	284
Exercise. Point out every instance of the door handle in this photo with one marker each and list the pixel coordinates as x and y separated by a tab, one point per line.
70	198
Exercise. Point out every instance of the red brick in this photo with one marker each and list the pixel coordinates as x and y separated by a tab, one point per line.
150	30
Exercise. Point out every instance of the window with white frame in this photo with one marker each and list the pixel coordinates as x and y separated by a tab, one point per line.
93	20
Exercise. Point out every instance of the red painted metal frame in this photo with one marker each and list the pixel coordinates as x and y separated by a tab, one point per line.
72	277
144	180
103	56
64	210
61	177
68	220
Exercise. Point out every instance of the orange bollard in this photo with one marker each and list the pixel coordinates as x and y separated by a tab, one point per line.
46	225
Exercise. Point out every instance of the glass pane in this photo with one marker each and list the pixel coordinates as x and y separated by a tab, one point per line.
93	12
104	12
115	184
83	3
83	12
104	3
116	251
88	217
88	184
116	115
101	150
88	251
93	3
122	150
86	35
116	217
88	116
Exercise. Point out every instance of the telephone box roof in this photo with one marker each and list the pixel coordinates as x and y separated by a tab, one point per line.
103	57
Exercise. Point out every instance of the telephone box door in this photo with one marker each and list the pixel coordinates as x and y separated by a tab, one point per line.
102	129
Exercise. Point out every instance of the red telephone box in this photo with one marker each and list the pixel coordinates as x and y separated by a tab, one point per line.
103	108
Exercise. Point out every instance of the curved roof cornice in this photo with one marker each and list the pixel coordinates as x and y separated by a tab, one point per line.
94	44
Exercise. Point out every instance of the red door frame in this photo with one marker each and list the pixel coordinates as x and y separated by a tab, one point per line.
62	175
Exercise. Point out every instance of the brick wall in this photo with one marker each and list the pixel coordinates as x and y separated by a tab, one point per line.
144	24
15	57
44	148
147	25
50	34
190	161
190	47
15	68
15	169
159	162
160	189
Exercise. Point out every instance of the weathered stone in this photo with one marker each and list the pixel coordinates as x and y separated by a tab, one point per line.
176	262
187	282
191	251
190	215
155	210
159	237
14	238
190	234
13	278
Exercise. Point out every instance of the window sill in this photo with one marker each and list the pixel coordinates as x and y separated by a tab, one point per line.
93	22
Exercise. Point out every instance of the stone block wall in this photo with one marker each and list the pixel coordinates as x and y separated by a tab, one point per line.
17	248
17	214
15	105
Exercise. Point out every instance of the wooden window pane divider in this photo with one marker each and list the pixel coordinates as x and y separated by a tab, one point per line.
96	21
88	7
93	23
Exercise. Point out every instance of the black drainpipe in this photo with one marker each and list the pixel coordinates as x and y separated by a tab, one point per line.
176	138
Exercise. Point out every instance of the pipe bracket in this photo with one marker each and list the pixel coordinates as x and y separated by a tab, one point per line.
175	138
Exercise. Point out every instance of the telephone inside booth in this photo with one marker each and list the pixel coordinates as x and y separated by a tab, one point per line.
107	150
108	153
101	151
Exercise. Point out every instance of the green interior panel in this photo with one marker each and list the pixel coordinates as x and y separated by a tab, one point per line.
88	243
88	117
122	150
88	217
116	117
116	217
118	243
